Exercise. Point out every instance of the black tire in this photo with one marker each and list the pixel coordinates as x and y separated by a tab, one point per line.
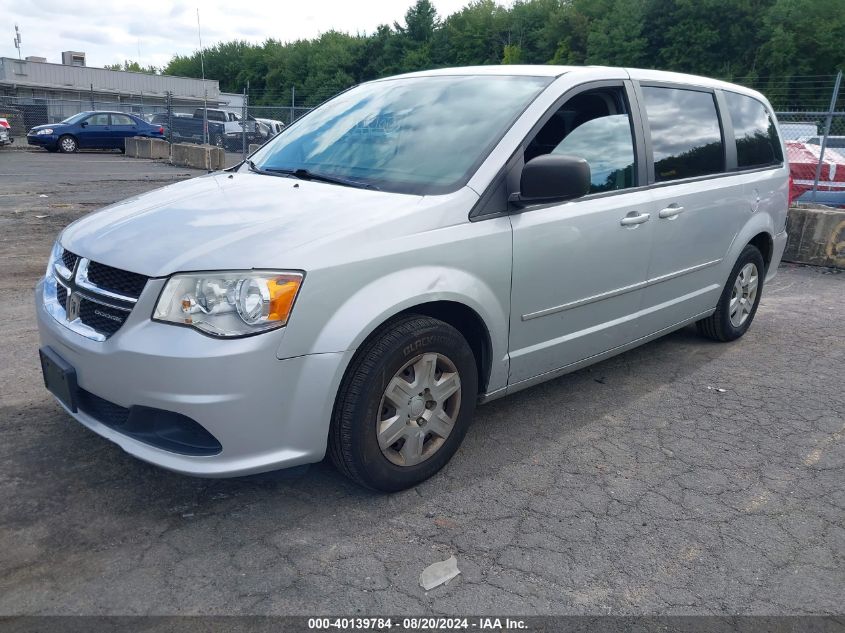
68	144
353	441
217	140
122	150
718	325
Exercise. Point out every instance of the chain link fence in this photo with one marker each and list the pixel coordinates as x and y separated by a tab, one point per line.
234	126
811	118
810	111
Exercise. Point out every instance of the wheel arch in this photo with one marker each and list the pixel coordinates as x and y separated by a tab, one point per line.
67	134
475	306
765	244
759	231
471	326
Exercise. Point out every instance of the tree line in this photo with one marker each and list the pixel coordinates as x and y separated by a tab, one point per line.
765	43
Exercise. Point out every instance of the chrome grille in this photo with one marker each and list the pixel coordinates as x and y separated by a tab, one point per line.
116	280
69	259
90	298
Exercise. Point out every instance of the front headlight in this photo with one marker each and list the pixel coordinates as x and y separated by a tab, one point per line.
229	304
47	131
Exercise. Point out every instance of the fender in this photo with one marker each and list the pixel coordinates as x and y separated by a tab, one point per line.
376	302
761	222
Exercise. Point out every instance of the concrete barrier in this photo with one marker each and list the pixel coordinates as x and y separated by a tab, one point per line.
143	147
816	236
208	157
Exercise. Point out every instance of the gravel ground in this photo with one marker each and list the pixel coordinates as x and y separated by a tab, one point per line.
682	477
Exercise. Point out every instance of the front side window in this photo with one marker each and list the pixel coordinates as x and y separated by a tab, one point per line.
686	137
757	142
421	135
99	119
595	126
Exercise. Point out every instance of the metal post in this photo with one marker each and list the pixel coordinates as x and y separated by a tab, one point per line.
93	107
827	123
292	103
243	123
170	117
205	89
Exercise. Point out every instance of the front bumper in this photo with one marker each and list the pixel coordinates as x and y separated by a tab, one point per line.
266	413
42	140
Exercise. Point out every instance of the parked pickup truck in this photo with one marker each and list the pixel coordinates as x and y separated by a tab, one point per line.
256	132
188	129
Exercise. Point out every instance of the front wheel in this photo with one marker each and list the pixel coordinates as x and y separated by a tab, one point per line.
68	144
739	300
404	405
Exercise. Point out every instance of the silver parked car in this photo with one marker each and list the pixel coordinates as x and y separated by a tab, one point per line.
414	246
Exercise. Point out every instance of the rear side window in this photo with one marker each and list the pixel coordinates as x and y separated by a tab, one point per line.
757	142
686	137
121	119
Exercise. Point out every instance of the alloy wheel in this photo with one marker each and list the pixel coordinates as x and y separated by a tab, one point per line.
744	294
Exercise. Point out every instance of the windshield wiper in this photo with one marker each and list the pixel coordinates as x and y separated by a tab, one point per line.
253	167
305	174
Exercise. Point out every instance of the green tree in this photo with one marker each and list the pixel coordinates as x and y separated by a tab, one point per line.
616	39
763	42
134	67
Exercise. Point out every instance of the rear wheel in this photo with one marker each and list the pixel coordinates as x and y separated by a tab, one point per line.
405	404
68	144
739	300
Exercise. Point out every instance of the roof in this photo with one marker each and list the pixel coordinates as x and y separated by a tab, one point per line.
45	75
547	70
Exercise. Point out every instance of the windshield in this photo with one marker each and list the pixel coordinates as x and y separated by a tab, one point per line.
421	135
76	117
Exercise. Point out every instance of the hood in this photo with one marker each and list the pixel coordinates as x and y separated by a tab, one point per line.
242	221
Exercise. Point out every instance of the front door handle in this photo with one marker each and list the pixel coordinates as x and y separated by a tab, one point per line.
672	211
634	218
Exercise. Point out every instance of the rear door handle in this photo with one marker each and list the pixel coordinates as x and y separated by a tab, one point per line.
634	218
672	211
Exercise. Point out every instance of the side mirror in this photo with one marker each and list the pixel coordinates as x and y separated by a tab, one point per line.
552	178
84	124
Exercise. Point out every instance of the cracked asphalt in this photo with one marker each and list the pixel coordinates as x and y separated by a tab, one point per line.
684	477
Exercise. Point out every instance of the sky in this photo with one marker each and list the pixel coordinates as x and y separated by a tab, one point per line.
161	29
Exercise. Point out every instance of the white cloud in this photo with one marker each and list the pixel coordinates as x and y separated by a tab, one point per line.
113	32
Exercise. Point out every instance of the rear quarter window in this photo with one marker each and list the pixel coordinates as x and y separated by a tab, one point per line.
686	137
757	142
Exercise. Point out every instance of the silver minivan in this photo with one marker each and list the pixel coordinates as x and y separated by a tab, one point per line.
415	246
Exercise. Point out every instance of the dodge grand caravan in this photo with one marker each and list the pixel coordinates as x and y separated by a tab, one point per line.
412	247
